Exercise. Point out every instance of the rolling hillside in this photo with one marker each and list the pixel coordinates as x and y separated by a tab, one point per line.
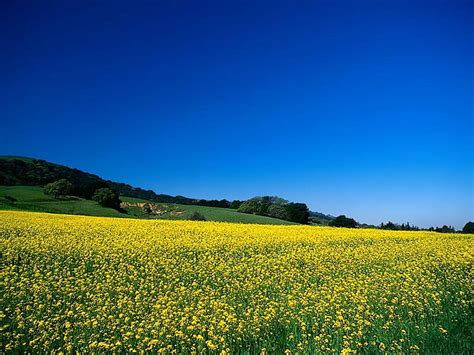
22	178
32	198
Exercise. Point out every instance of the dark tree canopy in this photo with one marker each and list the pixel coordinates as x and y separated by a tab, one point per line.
343	221
107	198
254	205
445	229
399	227
468	228
274	206
235	204
58	188
297	212
278	211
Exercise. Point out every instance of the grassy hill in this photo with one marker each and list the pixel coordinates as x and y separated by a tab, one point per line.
26	176
24	171
32	198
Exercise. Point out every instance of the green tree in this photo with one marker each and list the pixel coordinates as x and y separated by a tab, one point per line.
278	211
59	188
235	204
343	221
445	229
261	204
297	212
107	198
468	228
254	205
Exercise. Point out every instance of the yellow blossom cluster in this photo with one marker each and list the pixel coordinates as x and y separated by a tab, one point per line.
90	284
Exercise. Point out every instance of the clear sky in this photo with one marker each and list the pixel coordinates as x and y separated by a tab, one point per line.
363	108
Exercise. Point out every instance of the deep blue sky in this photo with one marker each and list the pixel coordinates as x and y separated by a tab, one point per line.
363	108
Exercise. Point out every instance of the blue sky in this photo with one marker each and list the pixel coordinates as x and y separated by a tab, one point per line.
363	108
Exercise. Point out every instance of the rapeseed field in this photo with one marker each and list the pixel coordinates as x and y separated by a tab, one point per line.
94	284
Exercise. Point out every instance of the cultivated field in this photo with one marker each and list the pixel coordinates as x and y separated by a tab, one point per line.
95	284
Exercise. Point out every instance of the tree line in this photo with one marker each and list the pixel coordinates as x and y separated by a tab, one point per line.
36	172
276	207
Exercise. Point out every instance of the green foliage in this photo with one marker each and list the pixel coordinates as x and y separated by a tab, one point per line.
235	204
278	211
445	229
32	198
343	221
468	228
58	188
275	206
196	216
398	227
254	205
107	198
260	204
297	212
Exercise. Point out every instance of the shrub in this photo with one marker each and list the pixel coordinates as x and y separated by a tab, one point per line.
147	208
10	198
59	188
107	198
196	216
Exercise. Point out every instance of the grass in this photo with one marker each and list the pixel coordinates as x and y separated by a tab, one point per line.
32	198
226	215
183	212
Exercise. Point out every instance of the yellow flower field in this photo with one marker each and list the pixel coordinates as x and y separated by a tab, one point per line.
74	283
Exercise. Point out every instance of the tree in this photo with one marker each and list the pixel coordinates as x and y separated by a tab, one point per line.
343	221
107	198
297	212
468	228
445	229
389	225
261	204
278	211
235	204
59	188
254	205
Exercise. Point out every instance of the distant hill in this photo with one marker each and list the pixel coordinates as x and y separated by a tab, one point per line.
32	198
320	218
25	171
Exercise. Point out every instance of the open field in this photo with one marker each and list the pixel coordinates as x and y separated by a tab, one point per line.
90	284
32	198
